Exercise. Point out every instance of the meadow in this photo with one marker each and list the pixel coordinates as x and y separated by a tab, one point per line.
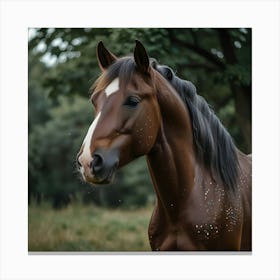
87	228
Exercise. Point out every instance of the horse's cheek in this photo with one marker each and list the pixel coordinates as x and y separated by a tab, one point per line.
145	133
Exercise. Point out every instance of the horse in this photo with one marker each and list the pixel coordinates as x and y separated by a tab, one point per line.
201	180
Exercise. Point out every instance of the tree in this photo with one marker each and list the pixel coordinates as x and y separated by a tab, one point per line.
52	149
62	67
224	54
217	61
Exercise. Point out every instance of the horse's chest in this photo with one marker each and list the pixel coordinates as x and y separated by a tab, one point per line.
171	240
213	217
164	235
206	224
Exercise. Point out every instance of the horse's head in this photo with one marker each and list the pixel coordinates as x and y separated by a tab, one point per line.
127	115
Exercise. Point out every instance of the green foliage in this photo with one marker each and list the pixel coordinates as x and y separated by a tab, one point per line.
52	149
62	67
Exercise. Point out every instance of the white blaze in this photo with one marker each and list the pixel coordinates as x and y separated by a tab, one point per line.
112	87
85	158
87	140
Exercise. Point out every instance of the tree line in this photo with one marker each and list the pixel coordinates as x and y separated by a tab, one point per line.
61	68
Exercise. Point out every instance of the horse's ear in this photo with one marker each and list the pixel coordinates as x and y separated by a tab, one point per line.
141	57
104	57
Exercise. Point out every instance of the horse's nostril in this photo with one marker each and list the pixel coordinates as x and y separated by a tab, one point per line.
97	163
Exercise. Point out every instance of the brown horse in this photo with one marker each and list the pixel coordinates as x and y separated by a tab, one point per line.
201	180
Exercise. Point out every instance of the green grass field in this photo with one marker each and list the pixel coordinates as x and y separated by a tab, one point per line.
87	228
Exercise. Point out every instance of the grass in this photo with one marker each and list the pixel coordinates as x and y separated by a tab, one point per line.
87	228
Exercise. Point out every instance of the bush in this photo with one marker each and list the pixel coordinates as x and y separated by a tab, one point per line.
52	150
52	153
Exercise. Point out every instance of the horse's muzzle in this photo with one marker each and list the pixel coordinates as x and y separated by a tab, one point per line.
103	166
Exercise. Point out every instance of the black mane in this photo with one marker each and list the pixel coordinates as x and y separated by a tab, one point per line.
213	144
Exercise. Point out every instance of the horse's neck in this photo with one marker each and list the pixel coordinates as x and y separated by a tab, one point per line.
172	161
172	173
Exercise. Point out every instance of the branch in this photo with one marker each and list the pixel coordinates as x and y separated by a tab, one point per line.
201	65
202	52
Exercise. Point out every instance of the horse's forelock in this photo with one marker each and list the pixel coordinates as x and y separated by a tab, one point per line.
122	68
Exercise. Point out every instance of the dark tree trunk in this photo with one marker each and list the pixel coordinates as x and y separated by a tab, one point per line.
243	101
242	94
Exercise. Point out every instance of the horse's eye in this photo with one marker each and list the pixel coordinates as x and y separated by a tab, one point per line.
132	101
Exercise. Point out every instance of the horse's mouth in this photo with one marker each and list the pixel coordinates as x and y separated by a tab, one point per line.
107	179
104	178
101	168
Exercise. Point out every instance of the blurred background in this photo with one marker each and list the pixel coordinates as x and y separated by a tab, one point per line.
66	214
